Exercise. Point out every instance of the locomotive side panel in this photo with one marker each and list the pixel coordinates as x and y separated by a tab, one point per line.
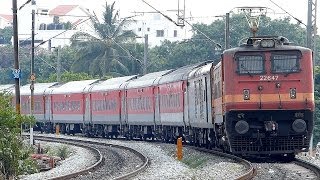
217	105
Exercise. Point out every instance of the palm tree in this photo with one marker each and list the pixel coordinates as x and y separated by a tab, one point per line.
101	52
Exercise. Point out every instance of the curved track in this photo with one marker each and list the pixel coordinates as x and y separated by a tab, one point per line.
99	163
250	173
315	169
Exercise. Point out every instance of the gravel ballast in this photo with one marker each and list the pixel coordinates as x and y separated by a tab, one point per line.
164	165
79	159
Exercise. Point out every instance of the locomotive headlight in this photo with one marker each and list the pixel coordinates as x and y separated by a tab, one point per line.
246	94
299	125
241	127
267	43
293	93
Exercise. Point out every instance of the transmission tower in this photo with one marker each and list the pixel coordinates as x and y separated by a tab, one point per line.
311	25
311	38
181	12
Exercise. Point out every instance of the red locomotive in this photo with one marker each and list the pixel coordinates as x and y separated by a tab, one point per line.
268	99
258	100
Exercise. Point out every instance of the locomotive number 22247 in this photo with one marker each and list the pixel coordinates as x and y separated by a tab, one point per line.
268	78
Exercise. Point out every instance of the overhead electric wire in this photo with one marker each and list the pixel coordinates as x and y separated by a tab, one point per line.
217	44
61	32
161	13
288	13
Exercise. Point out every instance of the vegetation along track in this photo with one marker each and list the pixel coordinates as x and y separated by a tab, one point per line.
101	172
249	174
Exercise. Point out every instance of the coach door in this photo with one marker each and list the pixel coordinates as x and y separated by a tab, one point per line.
87	109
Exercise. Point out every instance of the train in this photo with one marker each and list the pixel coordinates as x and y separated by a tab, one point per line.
257	100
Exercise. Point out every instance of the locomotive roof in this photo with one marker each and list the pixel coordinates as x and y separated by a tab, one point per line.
147	80
6	88
252	49
181	73
39	88
112	84
74	87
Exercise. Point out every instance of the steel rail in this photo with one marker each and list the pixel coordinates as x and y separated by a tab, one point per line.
139	169
249	174
308	165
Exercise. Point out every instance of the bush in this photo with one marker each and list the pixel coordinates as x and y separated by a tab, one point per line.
13	153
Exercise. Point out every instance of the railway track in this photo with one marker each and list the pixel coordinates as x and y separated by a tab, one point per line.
269	170
250	170
315	169
295	169
98	167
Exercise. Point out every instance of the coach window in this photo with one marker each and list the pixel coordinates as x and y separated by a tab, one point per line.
285	62
250	64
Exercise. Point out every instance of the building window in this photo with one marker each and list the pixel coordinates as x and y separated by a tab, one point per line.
139	29
175	33
148	29
160	33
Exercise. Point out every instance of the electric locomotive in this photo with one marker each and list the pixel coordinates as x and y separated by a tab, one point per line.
267	97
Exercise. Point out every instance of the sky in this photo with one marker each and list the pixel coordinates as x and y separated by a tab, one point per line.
202	10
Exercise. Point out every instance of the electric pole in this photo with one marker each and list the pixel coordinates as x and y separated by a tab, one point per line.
145	57
311	24
32	74
311	41
16	70
227	31
58	65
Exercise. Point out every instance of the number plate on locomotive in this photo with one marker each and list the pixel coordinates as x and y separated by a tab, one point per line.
269	78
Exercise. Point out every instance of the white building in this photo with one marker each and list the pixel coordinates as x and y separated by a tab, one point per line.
158	28
55	27
5	20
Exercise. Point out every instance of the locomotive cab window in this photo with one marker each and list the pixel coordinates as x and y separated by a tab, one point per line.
285	62
250	64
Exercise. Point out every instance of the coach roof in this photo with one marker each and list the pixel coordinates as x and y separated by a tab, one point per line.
147	80
181	73
74	87
112	84
6	88
39	88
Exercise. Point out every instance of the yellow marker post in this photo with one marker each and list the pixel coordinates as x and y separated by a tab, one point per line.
57	129
179	149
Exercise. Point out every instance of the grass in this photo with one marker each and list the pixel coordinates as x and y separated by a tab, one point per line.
195	161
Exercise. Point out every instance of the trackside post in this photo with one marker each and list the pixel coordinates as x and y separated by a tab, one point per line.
57	129
179	149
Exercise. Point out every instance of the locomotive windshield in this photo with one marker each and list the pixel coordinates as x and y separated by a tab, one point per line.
285	63
250	64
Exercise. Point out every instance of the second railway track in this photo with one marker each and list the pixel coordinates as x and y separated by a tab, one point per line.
115	161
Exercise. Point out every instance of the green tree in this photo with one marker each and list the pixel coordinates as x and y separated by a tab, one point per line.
100	53
13	153
6	35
